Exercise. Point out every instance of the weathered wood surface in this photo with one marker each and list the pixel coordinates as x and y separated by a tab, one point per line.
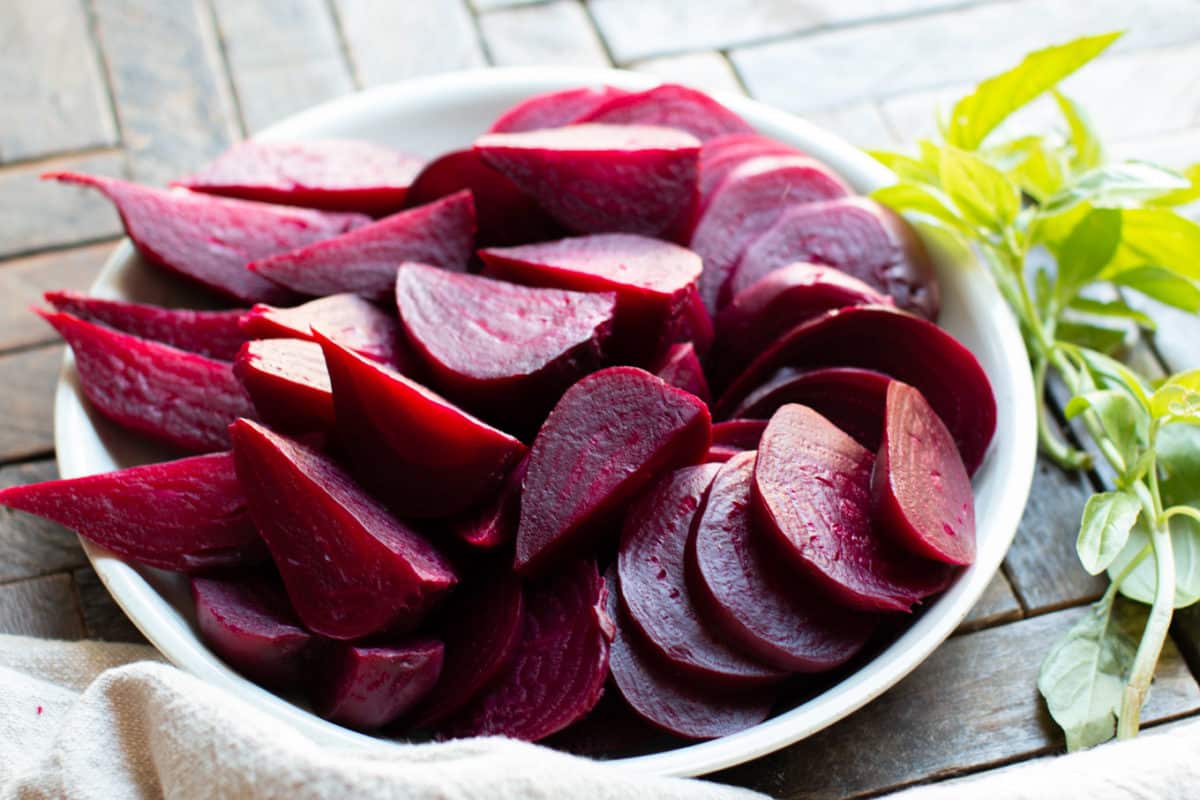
31	546
102	617
27	402
23	281
37	214
44	607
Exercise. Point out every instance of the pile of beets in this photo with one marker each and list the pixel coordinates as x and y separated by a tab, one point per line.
477	478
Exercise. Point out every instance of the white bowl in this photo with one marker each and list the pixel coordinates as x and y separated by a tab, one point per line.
430	116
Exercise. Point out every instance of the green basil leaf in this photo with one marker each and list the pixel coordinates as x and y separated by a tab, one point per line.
1042	172
1158	237
1164	286
1112	308
984	195
1095	336
1088	152
945	243
1111	374
1124	422
910	197
1179	396
1107	520
1119	185
1183	196
1053	230
906	167
1139	585
1087	250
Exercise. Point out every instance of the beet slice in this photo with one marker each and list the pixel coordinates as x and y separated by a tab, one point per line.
858	236
654	587
346	318
748	202
721	154
288	382
812	493
182	516
557	671
350	568
758	602
216	334
553	109
918	352
744	434
368	687
601	178
177	397
670	106
501	350
337	175
365	261
681	367
249	623
424	456
494	524
211	239
611	434
920	490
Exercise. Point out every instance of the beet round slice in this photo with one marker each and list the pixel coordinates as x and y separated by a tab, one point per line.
812	496
177	397
721	154
670	106
181	516
601	178
556	673
918	352
365	261
346	318
553	109
744	434
494	524
681	367
421	454
368	687
920	490
651	563
611	434
247	621
216	334
210	239
288	382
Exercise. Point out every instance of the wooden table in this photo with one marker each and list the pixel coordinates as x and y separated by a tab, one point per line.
150	88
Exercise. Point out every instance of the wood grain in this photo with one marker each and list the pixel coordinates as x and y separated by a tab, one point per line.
555	33
29	545
390	41
997	605
44	607
27	402
102	617
23	281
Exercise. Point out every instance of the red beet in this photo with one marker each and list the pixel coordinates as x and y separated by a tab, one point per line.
651	563
215	334
247	621
611	434
721	154
758	602
858	236
601	178
680	367
918	352
177	397
350	568
920	490
670	106
424	456
365	261
812	492
556	673
346	318
368	687
742	434
288	382
182	516
494	524
210	239
553	109
338	175
506	352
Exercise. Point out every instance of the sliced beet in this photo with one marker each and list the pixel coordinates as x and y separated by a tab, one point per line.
494	524
288	382
918	352
182	516
351	569
654	587
501	350
681	367
748	202
856	235
557	671
721	154
601	178
692	324
365	261
177	397
744	434
757	601
920	490
553	109
611	434
211	239
216	334
670	106
368	687
247	621
812	497
346	318
421	454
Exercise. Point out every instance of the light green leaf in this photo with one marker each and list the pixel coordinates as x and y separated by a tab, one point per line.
981	192
1124	422
945	244
1095	336
1141	582
905	197
1158	237
1053	230
1088	152
1183	196
1164	286
1087	250
1111	374
1129	183
906	167
1113	308
1107	519
1178	397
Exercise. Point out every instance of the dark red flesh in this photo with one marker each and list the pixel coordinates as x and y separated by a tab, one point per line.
494	524
721	154
346	318
670	106
744	434
553	109
681	367
367	687
288	382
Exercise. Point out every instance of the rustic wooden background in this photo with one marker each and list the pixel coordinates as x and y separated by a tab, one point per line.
151	88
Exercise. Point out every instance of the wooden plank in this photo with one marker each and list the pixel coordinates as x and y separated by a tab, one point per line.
998	605
972	704
862	124
268	94
1185	627
31	546
27	402
23	282
709	72
102	617
43	607
558	33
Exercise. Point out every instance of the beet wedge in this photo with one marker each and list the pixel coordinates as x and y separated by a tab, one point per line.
422	455
654	586
288	382
669	106
758	602
734	436
556	673
601	178
182	516
351	569
331	174
494	524
553	109
346	318
216	334
920	490
177	397
211	239
367	687
918	352
681	367
812	498
611	434
365	261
